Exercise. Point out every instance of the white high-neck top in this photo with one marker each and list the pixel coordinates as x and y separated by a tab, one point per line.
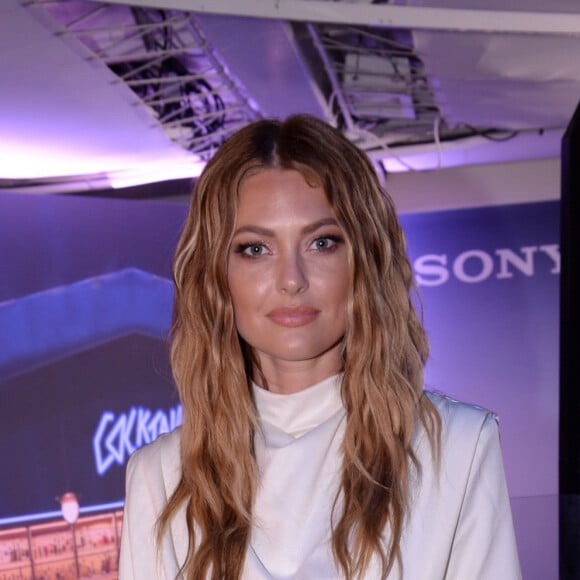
302	411
298	456
459	524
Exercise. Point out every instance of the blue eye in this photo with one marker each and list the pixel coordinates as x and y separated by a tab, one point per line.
254	250
326	242
251	250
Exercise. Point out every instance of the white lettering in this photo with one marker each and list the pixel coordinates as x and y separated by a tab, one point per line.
116	452
475	266
102	463
159	424
525	266
116	437
142	435
430	270
553	252
486	266
175	417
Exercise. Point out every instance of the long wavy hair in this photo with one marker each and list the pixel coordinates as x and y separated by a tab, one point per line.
384	351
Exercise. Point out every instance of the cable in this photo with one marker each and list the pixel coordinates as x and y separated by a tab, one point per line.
436	136
191	104
489	133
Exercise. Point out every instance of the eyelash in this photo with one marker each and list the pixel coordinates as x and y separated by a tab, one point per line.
333	238
244	247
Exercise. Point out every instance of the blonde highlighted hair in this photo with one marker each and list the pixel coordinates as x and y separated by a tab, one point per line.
385	350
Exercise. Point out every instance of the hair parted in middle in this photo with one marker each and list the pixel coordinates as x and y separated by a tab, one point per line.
385	349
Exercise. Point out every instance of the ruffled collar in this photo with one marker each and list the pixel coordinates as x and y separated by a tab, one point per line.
298	413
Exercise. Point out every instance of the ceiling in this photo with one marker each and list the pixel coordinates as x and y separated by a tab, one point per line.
97	96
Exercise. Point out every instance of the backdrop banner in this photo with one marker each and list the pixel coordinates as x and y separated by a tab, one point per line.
489	282
85	307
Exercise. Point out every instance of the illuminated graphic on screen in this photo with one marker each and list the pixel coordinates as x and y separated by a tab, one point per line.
117	436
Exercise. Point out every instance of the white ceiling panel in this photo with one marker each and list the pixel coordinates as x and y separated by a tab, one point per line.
406	81
63	114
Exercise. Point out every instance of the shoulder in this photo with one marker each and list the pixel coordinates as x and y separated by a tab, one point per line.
459	418
153	473
469	450
158	464
467	432
161	452
460	519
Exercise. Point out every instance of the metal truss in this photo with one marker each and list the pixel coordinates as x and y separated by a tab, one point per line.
383	15
380	94
372	76
165	59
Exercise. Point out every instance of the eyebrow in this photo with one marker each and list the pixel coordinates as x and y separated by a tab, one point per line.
252	229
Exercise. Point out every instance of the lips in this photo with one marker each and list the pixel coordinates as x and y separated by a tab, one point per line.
292	317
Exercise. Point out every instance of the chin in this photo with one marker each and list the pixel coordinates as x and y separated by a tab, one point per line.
299	353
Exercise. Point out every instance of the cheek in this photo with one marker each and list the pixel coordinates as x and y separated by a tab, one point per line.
341	303
333	285
245	307
246	289
236	287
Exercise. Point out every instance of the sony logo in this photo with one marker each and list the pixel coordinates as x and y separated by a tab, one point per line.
475	266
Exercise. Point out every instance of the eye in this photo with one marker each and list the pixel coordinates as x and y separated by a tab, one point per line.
326	243
252	250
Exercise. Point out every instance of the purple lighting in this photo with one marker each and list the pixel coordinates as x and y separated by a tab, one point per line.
472	151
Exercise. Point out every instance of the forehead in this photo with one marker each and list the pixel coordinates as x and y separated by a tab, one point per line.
277	193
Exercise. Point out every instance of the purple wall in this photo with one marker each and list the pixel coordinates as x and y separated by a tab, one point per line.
85	305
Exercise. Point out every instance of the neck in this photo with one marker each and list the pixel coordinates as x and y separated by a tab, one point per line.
287	377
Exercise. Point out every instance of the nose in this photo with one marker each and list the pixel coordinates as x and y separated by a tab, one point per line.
292	275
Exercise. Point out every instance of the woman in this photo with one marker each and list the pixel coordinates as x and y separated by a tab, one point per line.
308	448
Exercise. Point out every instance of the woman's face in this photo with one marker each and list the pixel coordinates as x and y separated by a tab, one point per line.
288	273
